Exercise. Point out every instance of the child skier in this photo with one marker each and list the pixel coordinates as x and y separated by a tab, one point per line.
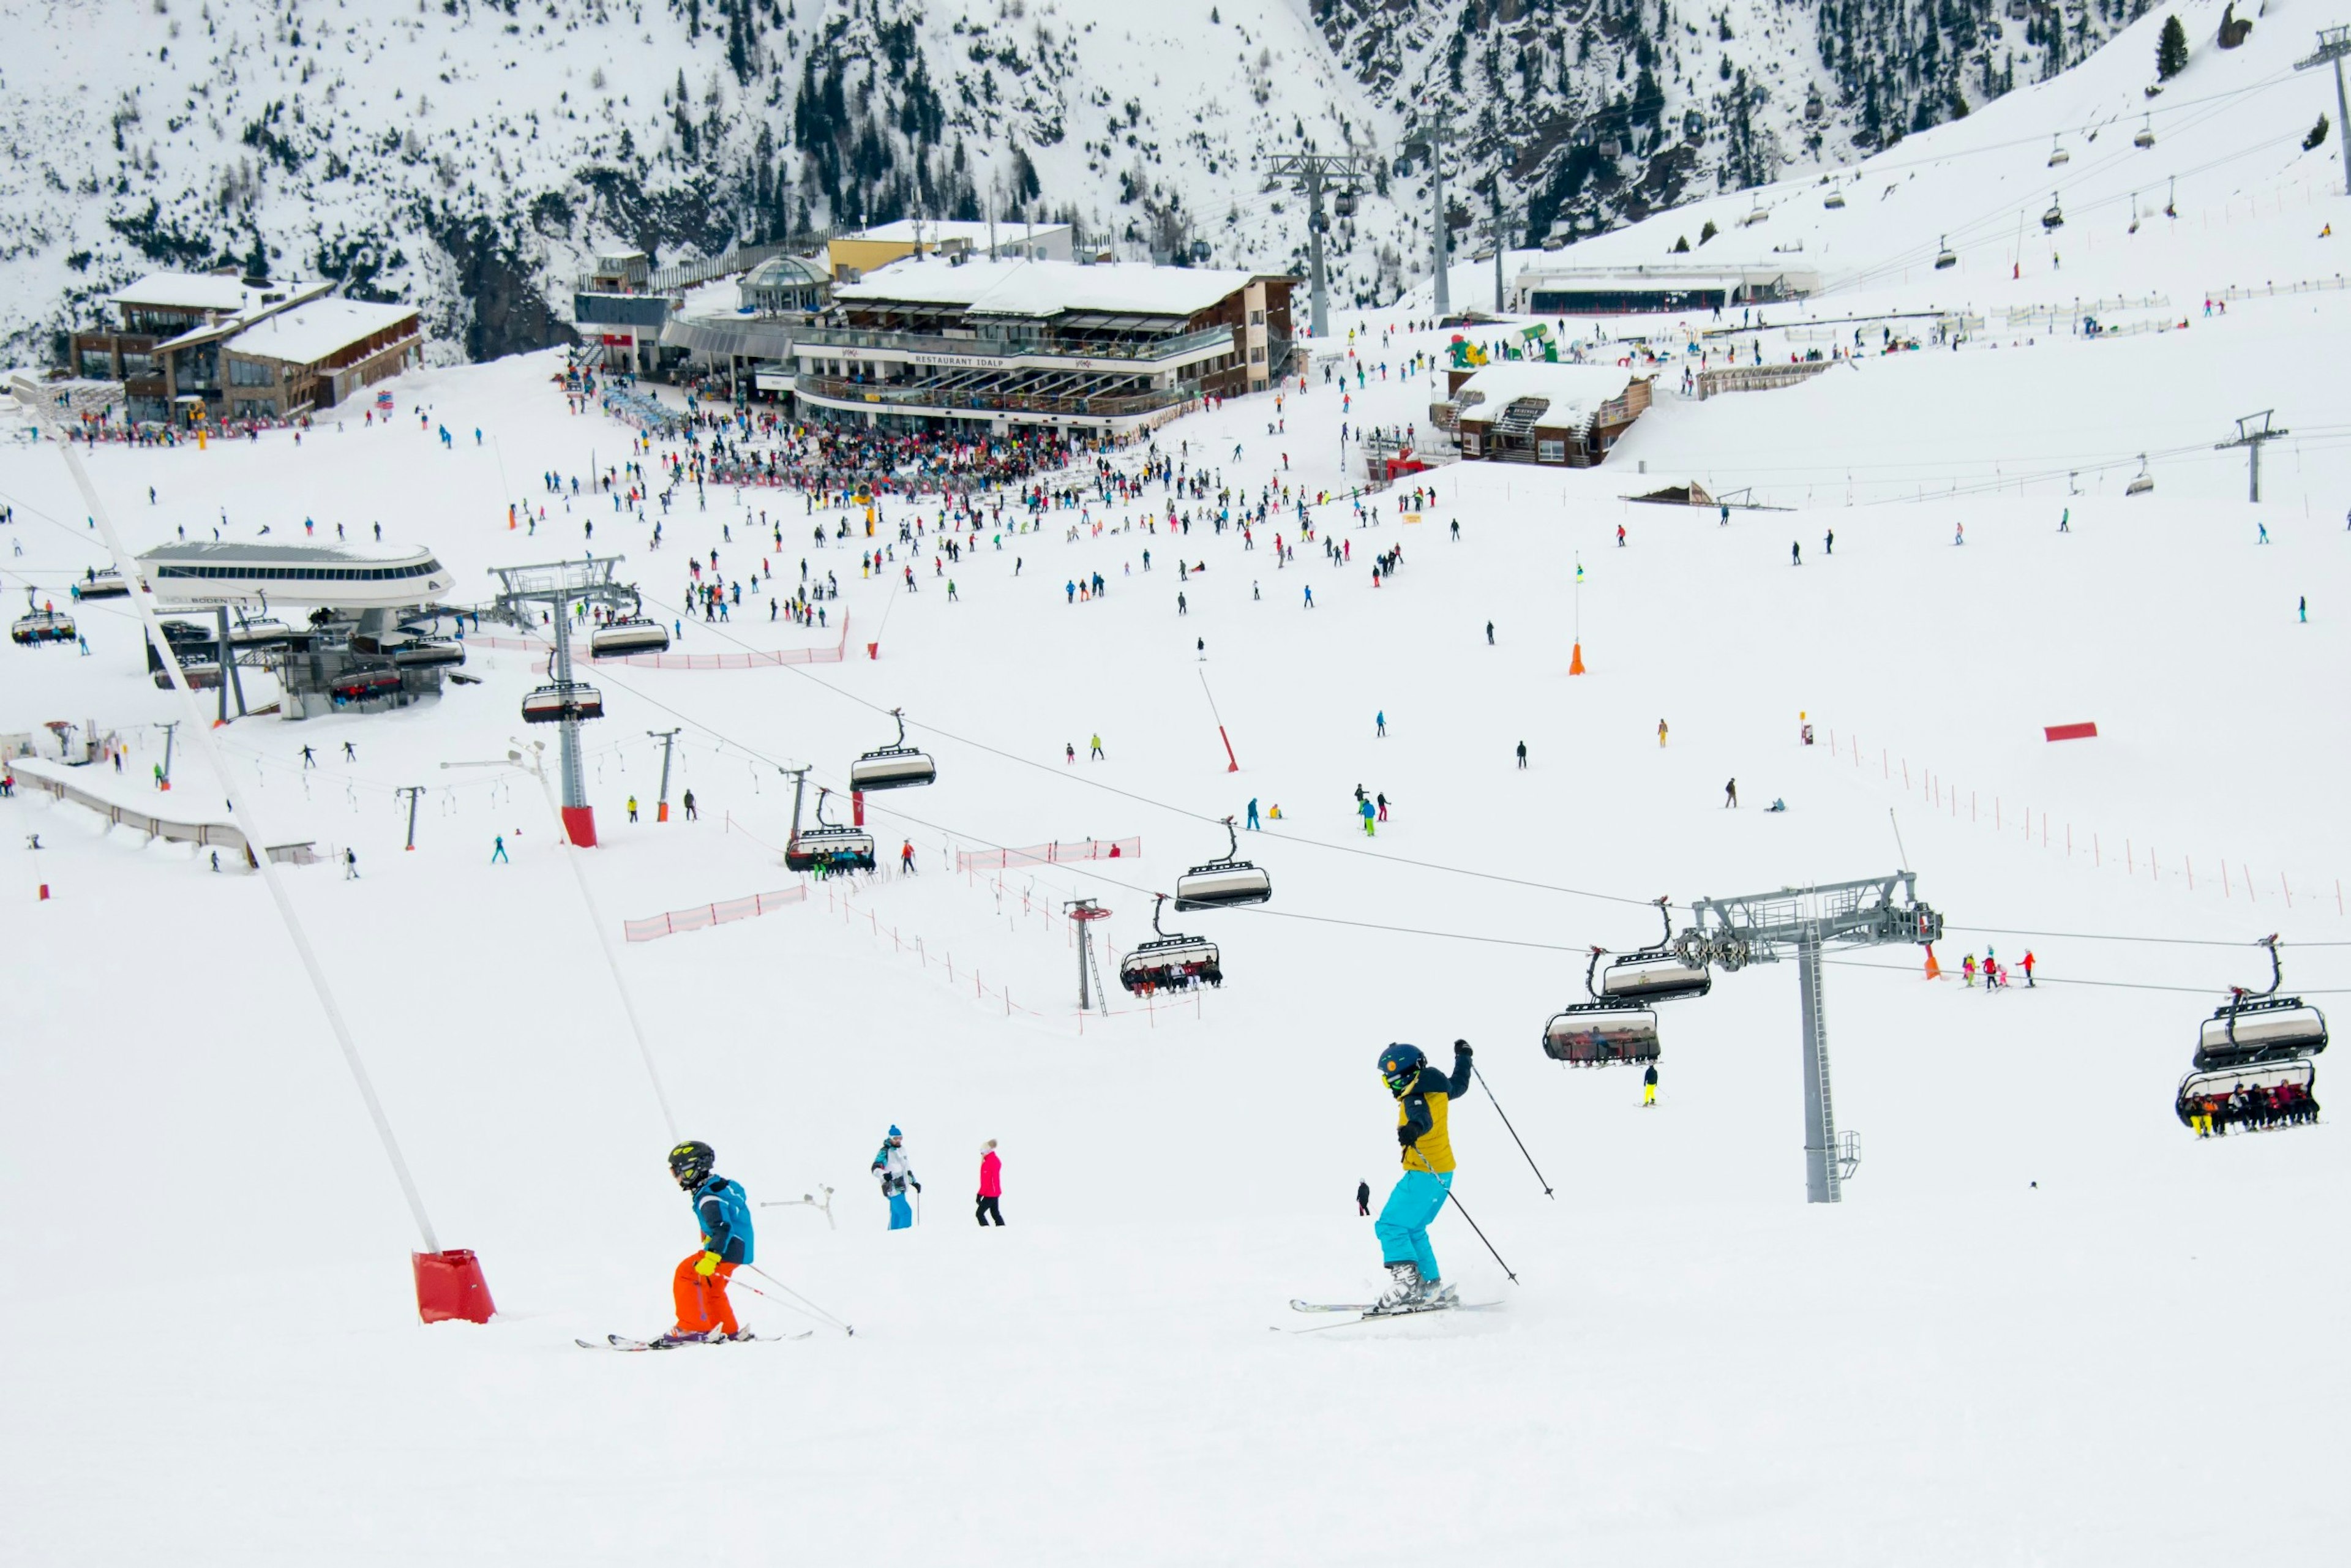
890	1170
1422	1095
724	1212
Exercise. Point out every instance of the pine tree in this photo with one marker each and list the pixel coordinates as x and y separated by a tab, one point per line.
2171	50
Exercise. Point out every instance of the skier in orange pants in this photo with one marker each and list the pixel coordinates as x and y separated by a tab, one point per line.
724	1212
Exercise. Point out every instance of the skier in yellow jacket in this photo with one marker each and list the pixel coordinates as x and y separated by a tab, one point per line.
1422	1096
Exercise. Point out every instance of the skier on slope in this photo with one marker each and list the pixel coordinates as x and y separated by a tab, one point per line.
890	1170
724	1211
1422	1094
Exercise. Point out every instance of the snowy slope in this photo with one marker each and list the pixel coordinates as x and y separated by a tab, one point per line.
2012	1342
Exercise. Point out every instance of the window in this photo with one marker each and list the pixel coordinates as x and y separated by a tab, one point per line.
1256	355
251	373
97	365
1550	451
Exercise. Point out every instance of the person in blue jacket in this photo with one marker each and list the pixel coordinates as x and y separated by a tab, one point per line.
723	1210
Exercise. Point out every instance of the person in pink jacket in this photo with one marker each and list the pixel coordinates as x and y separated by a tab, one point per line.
991	1186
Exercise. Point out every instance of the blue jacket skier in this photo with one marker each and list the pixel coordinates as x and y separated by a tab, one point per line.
890	1170
723	1210
1422	1096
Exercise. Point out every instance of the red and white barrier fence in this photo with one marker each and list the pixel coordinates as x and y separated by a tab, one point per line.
703	915
1050	855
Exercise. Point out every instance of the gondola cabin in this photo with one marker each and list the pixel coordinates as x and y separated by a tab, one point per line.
1601	1037
896	769
1654	977
829	849
1172	964
1221	885
2284	1027
2258	1098
561	700
636	634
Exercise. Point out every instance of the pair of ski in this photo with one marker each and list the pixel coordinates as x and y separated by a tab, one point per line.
624	1343
1372	1311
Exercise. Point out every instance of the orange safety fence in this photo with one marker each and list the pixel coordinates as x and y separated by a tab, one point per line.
1050	855
703	915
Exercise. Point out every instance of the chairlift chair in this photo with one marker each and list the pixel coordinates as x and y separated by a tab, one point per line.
258	633
1170	963
2146	137
828	846
559	700
2298	1077
1599	1032
1834	202
1223	883
2058	156
898	767
103	585
1945	256
38	625
632	634
1664	973
2143	483
2054	218
2260	1026
427	652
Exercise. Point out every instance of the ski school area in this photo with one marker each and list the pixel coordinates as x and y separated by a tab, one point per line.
1498	1061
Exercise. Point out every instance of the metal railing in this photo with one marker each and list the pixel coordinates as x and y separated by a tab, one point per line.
892	394
1149	350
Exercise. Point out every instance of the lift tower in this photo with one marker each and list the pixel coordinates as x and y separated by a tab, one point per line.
2334	43
560	585
1765	927
1314	173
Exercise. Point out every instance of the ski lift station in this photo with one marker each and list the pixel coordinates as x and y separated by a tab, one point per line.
1560	416
1552	288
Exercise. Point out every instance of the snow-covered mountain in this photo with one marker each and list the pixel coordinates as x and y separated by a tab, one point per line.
466	155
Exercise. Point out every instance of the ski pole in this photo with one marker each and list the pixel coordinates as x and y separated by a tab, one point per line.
811	1306
1506	1124
1481	1235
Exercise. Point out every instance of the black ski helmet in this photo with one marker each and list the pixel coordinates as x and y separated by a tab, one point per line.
691	1161
1399	1065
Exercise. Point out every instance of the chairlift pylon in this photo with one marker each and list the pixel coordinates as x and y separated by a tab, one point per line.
1223	883
895	767
2254	1027
1168	963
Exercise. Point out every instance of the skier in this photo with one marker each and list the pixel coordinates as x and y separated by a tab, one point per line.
1522	754
1363	1199
1380	724
1968	969
1489	634
688	801
1371	825
1095	752
1252	814
1828	546
1620	536
724	1211
2065	521
498	850
1795	553
1649	1087
2025	963
350	865
991	1186
1422	1094
1661	733
1071	749
890	1170
1731	794
906	858
632	807
1382	801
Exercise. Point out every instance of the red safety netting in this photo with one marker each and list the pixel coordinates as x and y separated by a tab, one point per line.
1049	854
702	915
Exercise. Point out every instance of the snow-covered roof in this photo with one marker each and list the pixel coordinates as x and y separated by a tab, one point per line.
187	291
975	232
1041	288
308	333
1574	392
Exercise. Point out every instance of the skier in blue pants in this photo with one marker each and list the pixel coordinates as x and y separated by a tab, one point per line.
1422	1096
890	1170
